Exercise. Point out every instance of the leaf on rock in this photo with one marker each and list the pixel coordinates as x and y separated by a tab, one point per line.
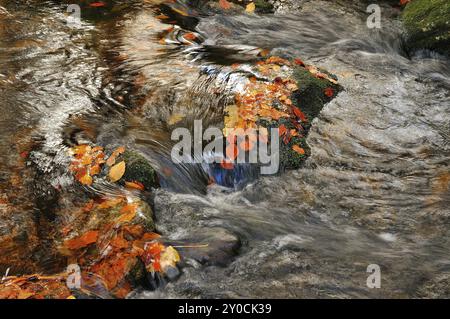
84	240
135	185
85	179
224	4
169	258
128	213
117	171
250	8
298	149
329	92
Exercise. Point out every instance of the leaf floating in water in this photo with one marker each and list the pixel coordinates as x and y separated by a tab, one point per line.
117	171
250	8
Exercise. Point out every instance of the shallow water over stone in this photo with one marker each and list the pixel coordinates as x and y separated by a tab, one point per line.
374	191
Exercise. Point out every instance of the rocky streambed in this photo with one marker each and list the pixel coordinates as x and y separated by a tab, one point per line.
363	127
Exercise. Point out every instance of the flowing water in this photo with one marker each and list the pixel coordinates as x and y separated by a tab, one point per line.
374	191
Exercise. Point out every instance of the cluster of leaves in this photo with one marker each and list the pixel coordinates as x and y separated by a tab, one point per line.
89	160
267	102
159	258
35	287
119	242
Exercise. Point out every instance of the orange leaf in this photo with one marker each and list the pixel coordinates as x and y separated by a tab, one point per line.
299	62
226	165
299	114
150	236
298	149
119	150
111	160
82	241
81	149
94	170
117	171
110	202
86	180
135	185
128	213
97	4
190	36
282	130
119	242
162	17
224	4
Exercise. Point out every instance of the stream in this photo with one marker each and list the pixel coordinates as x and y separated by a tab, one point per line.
375	190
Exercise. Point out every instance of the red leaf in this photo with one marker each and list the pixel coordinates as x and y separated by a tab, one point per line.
299	114
282	130
97	4
329	92
299	62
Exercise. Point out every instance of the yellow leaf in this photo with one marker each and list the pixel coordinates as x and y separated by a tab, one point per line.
250	7
116	172
25	294
169	258
86	180
175	118
71	297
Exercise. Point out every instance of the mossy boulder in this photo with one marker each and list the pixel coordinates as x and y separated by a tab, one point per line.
427	23
263	6
138	169
313	91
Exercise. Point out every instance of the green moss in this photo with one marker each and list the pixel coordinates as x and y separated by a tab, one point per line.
311	97
263	6
427	23
289	159
138	169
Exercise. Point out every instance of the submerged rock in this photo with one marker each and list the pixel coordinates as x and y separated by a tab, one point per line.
220	246
427	23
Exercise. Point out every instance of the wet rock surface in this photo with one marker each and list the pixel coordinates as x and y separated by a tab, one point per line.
375	188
